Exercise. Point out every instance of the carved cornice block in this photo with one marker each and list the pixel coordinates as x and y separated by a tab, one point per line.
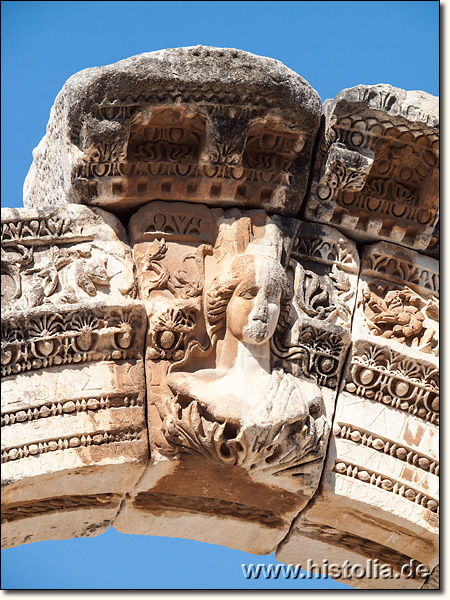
379	497
74	437
376	173
217	126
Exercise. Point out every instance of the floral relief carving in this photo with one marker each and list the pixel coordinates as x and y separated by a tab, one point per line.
227	393
394	269
383	375
47	338
400	314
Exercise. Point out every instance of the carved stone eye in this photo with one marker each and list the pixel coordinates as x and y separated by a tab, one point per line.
249	294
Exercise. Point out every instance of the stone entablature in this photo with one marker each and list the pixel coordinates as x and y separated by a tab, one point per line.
225	363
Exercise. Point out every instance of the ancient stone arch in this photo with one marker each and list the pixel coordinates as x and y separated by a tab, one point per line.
220	315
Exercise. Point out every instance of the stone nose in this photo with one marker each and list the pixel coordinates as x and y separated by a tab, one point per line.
261	312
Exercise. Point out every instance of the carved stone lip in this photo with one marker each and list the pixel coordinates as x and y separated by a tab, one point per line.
263	319
413	106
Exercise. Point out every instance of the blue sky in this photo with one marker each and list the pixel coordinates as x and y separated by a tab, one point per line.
333	45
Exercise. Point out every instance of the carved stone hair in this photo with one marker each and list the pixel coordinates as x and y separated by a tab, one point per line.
224	284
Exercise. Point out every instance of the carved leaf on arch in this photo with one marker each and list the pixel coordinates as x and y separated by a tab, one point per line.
324	297
170	332
80	268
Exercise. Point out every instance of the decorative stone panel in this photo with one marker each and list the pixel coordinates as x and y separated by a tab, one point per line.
376	172
380	489
74	437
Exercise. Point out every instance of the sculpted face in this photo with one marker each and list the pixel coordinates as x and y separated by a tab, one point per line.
253	311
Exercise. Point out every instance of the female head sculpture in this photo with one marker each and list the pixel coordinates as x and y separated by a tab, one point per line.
271	411
250	299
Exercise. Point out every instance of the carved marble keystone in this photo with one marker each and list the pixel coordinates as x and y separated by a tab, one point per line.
199	124
241	380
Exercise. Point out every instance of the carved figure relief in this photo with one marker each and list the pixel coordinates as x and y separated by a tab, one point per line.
221	310
383	451
244	305
398	303
52	261
325	269
396	313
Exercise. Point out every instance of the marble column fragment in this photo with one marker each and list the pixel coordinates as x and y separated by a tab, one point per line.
74	437
379	497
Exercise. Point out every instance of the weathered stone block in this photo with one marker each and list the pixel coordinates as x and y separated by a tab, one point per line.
74	437
376	174
216	126
240	382
381	481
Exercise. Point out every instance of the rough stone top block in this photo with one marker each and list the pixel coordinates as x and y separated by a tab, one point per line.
218	126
